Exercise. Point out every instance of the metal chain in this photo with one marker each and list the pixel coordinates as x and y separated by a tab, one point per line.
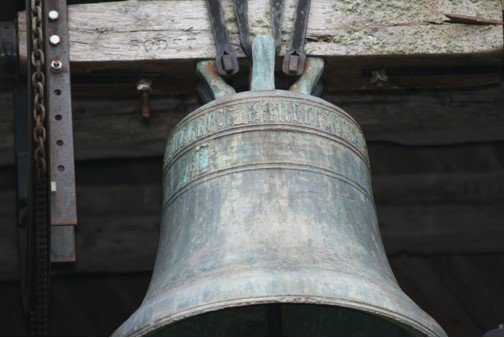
39	310
38	83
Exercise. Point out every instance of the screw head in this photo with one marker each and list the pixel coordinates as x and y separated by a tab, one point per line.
53	15
54	40
56	65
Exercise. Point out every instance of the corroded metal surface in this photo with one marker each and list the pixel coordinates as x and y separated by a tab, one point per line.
215	85
268	200
307	83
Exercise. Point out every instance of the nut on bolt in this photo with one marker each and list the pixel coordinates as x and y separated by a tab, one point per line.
144	88
56	65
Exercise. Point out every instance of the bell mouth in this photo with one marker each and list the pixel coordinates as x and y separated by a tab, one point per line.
387	311
286	319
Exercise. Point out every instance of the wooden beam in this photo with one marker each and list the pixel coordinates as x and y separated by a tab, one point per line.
422	214
113	128
417	44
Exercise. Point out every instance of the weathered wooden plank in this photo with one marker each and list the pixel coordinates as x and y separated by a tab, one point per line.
113	128
476	285
464	293
418	214
416	42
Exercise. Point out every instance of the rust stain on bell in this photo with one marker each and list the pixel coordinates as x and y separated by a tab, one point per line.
268	200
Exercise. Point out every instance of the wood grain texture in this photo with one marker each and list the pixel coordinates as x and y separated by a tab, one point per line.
464	293
113	128
355	37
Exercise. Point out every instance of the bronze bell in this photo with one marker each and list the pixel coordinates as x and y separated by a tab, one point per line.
269	225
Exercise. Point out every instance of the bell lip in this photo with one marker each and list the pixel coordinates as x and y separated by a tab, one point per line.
198	310
374	310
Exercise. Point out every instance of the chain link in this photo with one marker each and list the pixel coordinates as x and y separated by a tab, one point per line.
41	272
38	83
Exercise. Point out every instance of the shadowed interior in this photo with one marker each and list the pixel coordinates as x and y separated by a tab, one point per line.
285	320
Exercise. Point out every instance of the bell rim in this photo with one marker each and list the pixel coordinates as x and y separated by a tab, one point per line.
149	317
373	310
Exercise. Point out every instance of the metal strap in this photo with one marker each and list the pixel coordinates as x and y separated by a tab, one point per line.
241	13
59	108
226	61
277	9
295	56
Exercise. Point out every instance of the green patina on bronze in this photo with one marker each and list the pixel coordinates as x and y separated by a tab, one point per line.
269	225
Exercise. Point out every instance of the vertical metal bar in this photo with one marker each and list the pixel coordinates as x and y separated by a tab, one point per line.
241	14
60	129
277	9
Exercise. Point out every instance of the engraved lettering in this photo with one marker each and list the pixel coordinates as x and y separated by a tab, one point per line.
274	112
210	123
252	113
220	118
310	116
325	121
162	44
191	132
148	45
266	111
201	126
300	114
151	44
317	114
336	127
282	116
229	117
134	45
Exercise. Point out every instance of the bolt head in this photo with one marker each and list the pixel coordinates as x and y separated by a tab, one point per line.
54	40
144	85
53	15
56	65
